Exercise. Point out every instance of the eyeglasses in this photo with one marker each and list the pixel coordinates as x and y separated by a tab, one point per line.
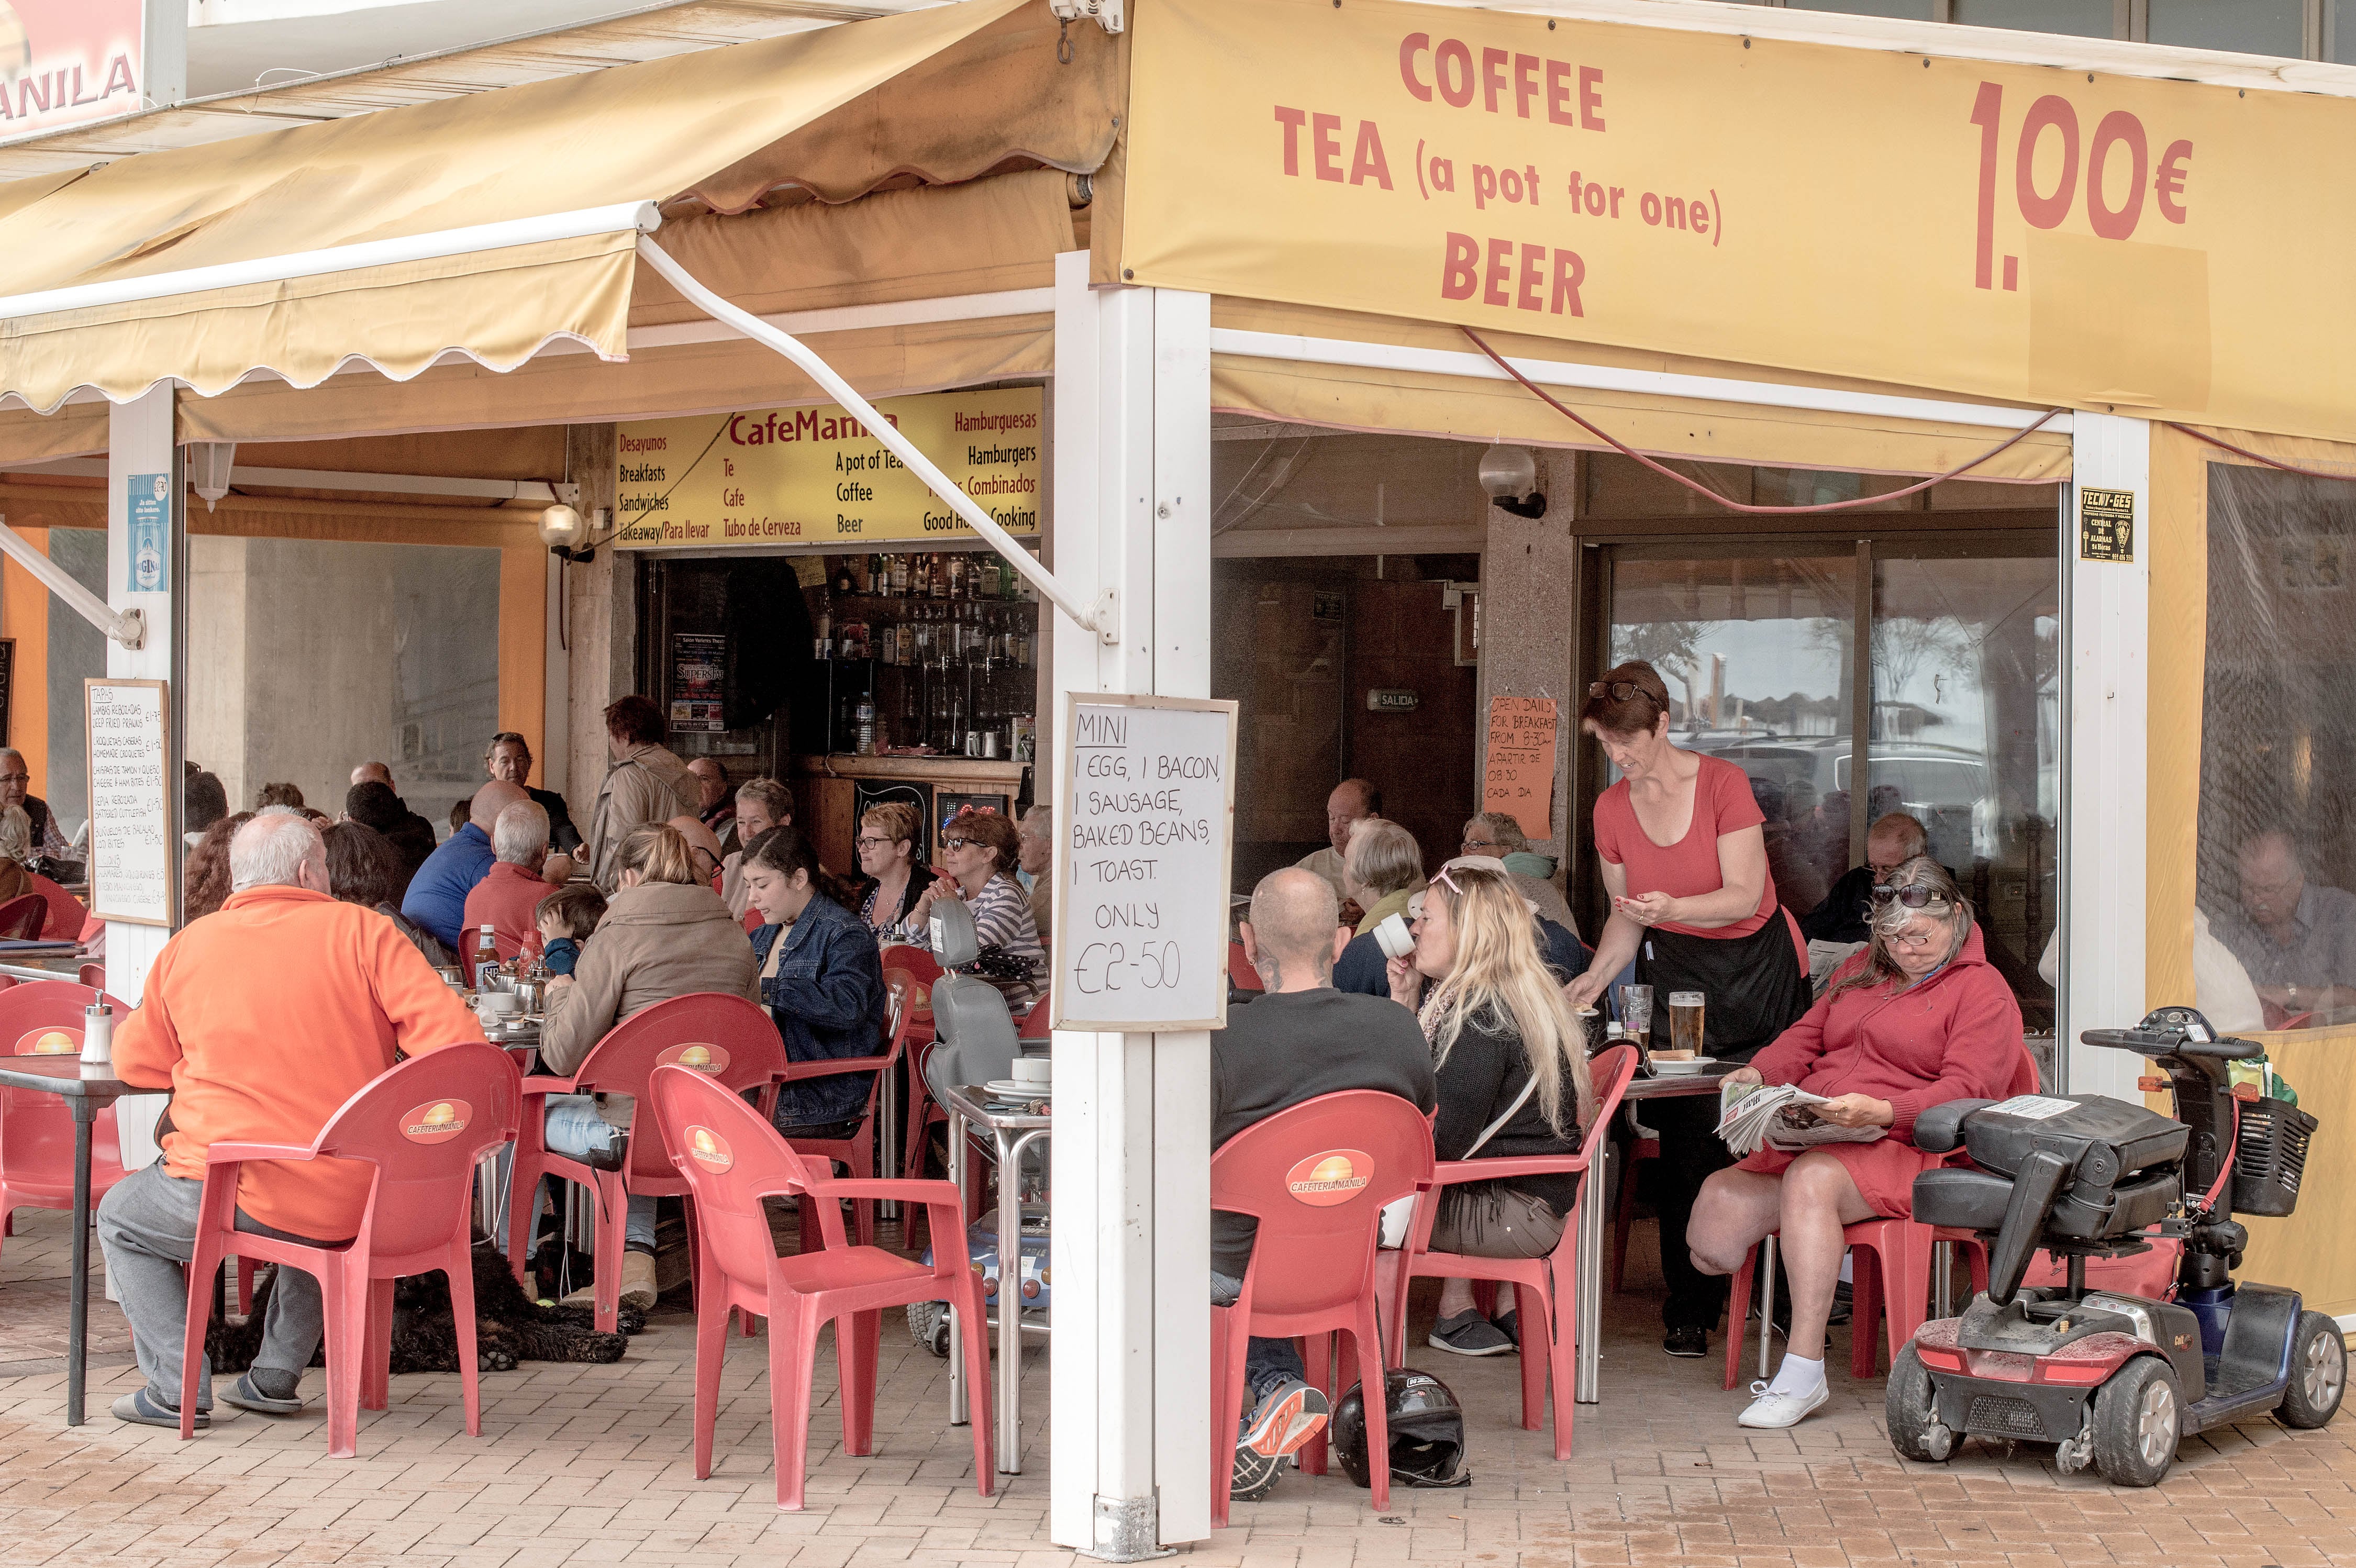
15	778
1620	691
1915	943
1914	897
954	844
1471	845
874	843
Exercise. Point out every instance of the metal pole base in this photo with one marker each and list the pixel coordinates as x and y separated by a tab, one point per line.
1128	1529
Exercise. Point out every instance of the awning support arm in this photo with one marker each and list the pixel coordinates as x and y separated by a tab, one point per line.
128	628
1102	618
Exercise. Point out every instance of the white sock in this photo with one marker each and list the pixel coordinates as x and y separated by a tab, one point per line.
1797	1375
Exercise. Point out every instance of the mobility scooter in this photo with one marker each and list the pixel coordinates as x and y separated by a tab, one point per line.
2115	1380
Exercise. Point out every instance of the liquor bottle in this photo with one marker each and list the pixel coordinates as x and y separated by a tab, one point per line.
842	583
487	958
940	577
899	576
879	574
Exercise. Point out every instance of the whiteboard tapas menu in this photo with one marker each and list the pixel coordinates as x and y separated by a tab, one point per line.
1144	852
131	800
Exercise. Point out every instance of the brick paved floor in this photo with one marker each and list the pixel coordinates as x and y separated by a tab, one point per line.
582	1466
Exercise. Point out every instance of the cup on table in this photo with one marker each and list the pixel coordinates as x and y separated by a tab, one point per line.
1032	1070
494	1003
1684	1020
1637	1015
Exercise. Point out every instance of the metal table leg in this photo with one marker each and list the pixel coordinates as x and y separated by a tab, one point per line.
887	1141
1597	1197
78	1309
958	1413
1009	1440
1766	1304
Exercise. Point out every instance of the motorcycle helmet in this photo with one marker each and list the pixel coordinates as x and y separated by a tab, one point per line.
1427	1432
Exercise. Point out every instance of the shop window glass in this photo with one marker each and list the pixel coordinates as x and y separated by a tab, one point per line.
1911	10
77	653
2278	827
1967	712
2245	26
2076	18
2338	32
1758	652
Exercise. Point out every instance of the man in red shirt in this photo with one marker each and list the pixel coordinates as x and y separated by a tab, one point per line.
262	1019
507	898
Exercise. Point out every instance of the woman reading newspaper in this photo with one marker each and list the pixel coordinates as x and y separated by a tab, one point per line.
1918	1018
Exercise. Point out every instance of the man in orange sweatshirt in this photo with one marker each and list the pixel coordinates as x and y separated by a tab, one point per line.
262	1019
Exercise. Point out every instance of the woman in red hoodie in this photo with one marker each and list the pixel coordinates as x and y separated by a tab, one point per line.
1918	1018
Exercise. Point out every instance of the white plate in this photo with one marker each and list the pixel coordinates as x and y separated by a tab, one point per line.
1015	1089
1685	1069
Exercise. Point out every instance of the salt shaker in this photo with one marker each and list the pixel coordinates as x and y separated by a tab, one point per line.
98	1035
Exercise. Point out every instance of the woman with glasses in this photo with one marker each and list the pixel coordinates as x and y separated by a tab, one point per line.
1684	857
1918	1018
1507	1052
978	852
887	858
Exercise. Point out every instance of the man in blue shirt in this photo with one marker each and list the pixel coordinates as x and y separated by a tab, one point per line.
437	894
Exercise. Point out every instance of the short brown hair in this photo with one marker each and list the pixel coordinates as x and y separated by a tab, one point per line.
894	819
278	795
770	794
1628	716
635	719
577	905
992	830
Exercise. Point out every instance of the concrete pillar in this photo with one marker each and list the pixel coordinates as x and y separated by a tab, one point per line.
1530	620
2106	628
1131	1156
599	629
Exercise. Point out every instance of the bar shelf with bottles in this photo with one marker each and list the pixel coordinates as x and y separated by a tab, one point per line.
930	653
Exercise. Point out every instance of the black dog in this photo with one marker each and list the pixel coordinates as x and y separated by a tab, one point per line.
510	1325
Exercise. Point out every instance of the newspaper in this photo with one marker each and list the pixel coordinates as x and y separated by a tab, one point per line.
1823	958
1779	1116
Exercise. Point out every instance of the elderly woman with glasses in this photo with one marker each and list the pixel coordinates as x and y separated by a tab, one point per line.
978	853
1918	1018
887	859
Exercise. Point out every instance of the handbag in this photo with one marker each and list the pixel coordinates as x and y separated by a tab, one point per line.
1399	1213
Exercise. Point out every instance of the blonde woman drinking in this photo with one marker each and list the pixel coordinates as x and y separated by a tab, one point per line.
1505	1051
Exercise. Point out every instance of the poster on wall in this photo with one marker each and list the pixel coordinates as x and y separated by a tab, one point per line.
68	62
697	663
132	841
1517	775
151	533
815	476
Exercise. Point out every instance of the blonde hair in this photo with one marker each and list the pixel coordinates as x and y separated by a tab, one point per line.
658	853
1498	973
16	834
1383	857
893	820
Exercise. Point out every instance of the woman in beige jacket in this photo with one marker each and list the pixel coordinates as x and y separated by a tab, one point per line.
665	934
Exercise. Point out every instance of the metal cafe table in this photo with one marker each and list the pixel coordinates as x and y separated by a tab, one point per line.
1012	1133
88	1090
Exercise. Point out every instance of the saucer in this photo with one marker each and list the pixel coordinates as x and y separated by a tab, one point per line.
1015	1089
1683	1069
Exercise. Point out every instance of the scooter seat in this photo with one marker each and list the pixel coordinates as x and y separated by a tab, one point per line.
1964	1199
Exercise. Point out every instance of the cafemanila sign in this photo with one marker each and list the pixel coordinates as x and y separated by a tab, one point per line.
2035	235
66	62
815	476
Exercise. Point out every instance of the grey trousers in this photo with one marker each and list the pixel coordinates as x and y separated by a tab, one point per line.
147	1227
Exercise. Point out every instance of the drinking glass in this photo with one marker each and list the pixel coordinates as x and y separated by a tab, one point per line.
1636	1013
1684	1020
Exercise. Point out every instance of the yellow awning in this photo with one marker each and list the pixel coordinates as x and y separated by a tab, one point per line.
484	227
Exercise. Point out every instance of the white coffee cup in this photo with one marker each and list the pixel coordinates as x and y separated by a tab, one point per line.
1032	1070
1392	936
494	1003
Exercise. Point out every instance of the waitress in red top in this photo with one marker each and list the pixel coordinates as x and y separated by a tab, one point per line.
1684	859
1918	1018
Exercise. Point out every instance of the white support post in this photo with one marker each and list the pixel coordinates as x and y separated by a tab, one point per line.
1129	1471
140	441
2105	706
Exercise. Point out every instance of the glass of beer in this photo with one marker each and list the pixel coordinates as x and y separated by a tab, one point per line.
1636	1015
1684	1020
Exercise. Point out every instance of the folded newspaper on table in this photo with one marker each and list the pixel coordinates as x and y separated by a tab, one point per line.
1779	1116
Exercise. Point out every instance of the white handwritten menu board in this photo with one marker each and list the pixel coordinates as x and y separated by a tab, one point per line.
131	804
1144	844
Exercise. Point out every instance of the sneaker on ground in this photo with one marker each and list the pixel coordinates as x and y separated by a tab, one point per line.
1287	1416
142	1409
1687	1341
1774	1411
639	1280
1254	1475
1469	1334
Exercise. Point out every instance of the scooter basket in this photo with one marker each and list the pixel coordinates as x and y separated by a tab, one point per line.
2271	1157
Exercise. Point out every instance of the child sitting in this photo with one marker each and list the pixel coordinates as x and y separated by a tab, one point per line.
565	917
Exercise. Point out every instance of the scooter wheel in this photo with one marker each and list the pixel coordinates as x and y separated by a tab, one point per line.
2138	1420
929	1326
2318	1373
1912	1409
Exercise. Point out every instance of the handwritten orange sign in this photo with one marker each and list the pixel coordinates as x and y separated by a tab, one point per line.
1518	778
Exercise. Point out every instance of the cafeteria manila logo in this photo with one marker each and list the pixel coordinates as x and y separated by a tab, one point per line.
702	1059
709	1149
1334	1177
49	1043
436	1121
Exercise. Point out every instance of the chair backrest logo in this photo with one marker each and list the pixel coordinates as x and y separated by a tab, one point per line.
709	1149
436	1121
1334	1177
49	1043
696	1056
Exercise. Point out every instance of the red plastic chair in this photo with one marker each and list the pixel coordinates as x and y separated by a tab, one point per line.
44	1018
1240	972
731	1158
1316	1176
728	1038
914	968
67	913
422	1125
1546	1290
1623	1216
23	919
92	975
1889	1280
858	1151
1036	1025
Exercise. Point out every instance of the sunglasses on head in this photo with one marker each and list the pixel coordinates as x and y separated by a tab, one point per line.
1915	897
1618	690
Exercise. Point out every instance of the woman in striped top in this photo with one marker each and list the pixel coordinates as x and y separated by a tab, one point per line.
980	851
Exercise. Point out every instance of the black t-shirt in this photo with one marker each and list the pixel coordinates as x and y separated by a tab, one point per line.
1292	1045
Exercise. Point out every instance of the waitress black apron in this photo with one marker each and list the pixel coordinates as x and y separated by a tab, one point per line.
1755	984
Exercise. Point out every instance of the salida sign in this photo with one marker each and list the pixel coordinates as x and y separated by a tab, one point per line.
65	62
1993	230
